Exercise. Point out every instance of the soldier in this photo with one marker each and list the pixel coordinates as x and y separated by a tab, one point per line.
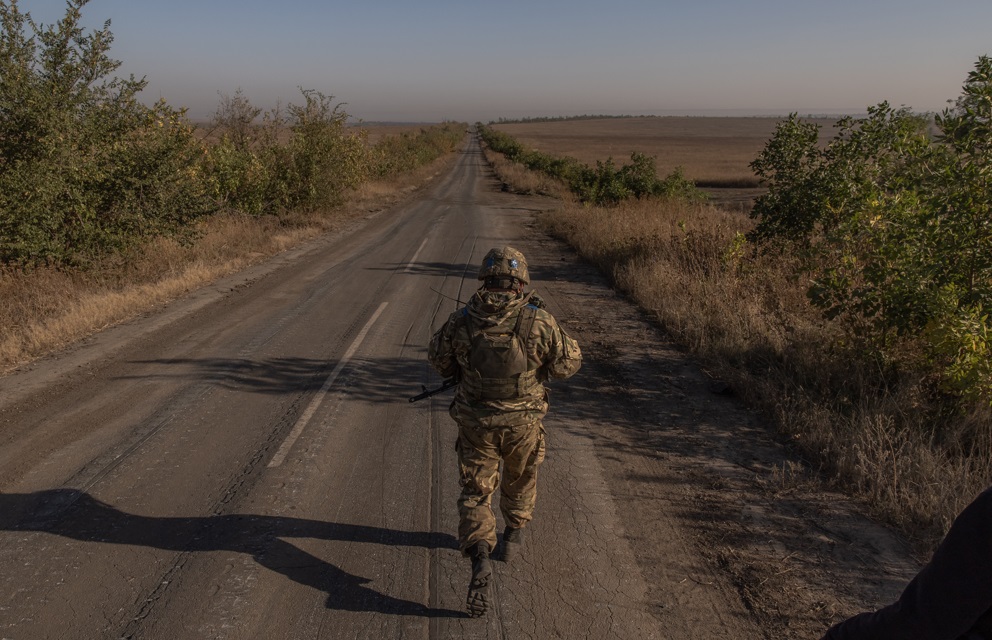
501	347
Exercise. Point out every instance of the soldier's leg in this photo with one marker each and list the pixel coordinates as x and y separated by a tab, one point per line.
478	460
523	452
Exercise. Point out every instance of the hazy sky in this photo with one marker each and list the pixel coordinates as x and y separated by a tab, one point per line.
468	60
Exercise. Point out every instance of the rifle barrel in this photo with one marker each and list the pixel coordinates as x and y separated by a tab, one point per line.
427	393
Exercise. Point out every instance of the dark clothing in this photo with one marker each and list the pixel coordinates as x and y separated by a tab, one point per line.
949	599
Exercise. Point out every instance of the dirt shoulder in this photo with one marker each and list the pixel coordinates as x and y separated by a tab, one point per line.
797	556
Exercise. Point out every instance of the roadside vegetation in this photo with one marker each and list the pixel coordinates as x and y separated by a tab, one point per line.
852	306
713	152
603	184
108	206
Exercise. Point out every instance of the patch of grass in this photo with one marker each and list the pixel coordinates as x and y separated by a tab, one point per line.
518	179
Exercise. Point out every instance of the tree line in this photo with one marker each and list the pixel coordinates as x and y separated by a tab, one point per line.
87	169
604	184
891	219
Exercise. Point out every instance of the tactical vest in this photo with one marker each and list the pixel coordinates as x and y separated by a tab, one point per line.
497	361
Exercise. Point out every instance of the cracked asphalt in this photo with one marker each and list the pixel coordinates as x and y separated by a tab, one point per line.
244	463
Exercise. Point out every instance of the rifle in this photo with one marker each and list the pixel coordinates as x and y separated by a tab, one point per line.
427	393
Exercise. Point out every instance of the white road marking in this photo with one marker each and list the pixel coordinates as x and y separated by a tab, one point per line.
414	258
315	403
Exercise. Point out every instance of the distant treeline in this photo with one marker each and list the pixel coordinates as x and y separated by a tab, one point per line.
86	169
561	118
774	116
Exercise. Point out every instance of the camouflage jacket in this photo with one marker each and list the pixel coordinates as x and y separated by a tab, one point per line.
550	353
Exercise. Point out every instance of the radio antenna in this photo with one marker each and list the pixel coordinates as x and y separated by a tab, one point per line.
446	296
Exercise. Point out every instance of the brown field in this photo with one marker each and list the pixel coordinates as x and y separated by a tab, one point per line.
714	152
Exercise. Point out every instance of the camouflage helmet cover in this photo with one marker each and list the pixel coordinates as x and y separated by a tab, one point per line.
506	261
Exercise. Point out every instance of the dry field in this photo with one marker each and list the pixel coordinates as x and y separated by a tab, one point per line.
714	152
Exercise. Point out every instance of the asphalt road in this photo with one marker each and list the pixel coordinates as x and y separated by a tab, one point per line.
245	463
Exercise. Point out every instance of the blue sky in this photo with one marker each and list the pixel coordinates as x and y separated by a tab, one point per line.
439	59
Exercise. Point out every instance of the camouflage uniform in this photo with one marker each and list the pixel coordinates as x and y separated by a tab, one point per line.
499	418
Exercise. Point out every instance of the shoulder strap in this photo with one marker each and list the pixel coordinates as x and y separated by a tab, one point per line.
525	324
467	319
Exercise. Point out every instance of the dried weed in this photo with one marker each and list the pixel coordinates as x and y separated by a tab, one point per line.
749	319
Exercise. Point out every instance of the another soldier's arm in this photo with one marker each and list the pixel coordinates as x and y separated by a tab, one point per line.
440	353
951	596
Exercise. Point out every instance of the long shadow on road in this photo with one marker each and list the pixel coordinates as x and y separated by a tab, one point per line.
77	515
368	379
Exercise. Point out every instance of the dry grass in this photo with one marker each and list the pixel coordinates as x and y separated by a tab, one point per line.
518	179
46	309
888	441
749	320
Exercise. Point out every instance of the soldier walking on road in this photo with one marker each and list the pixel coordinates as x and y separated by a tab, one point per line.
501	347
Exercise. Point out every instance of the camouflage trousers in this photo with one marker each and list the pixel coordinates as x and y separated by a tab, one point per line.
480	451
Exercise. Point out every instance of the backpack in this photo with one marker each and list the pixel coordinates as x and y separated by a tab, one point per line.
497	361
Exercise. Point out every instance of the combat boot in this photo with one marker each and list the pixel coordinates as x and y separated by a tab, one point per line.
513	539
477	601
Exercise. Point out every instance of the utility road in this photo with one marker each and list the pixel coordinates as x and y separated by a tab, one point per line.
245	463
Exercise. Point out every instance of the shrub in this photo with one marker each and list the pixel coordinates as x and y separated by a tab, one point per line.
606	184
84	167
407	151
892	224
322	160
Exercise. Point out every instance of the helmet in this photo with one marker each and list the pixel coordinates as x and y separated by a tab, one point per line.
505	262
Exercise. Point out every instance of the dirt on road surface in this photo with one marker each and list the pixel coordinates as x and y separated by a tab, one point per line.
245	464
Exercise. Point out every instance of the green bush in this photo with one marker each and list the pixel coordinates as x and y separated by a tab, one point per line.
407	151
606	184
322	159
893	225
307	159
84	167
239	178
